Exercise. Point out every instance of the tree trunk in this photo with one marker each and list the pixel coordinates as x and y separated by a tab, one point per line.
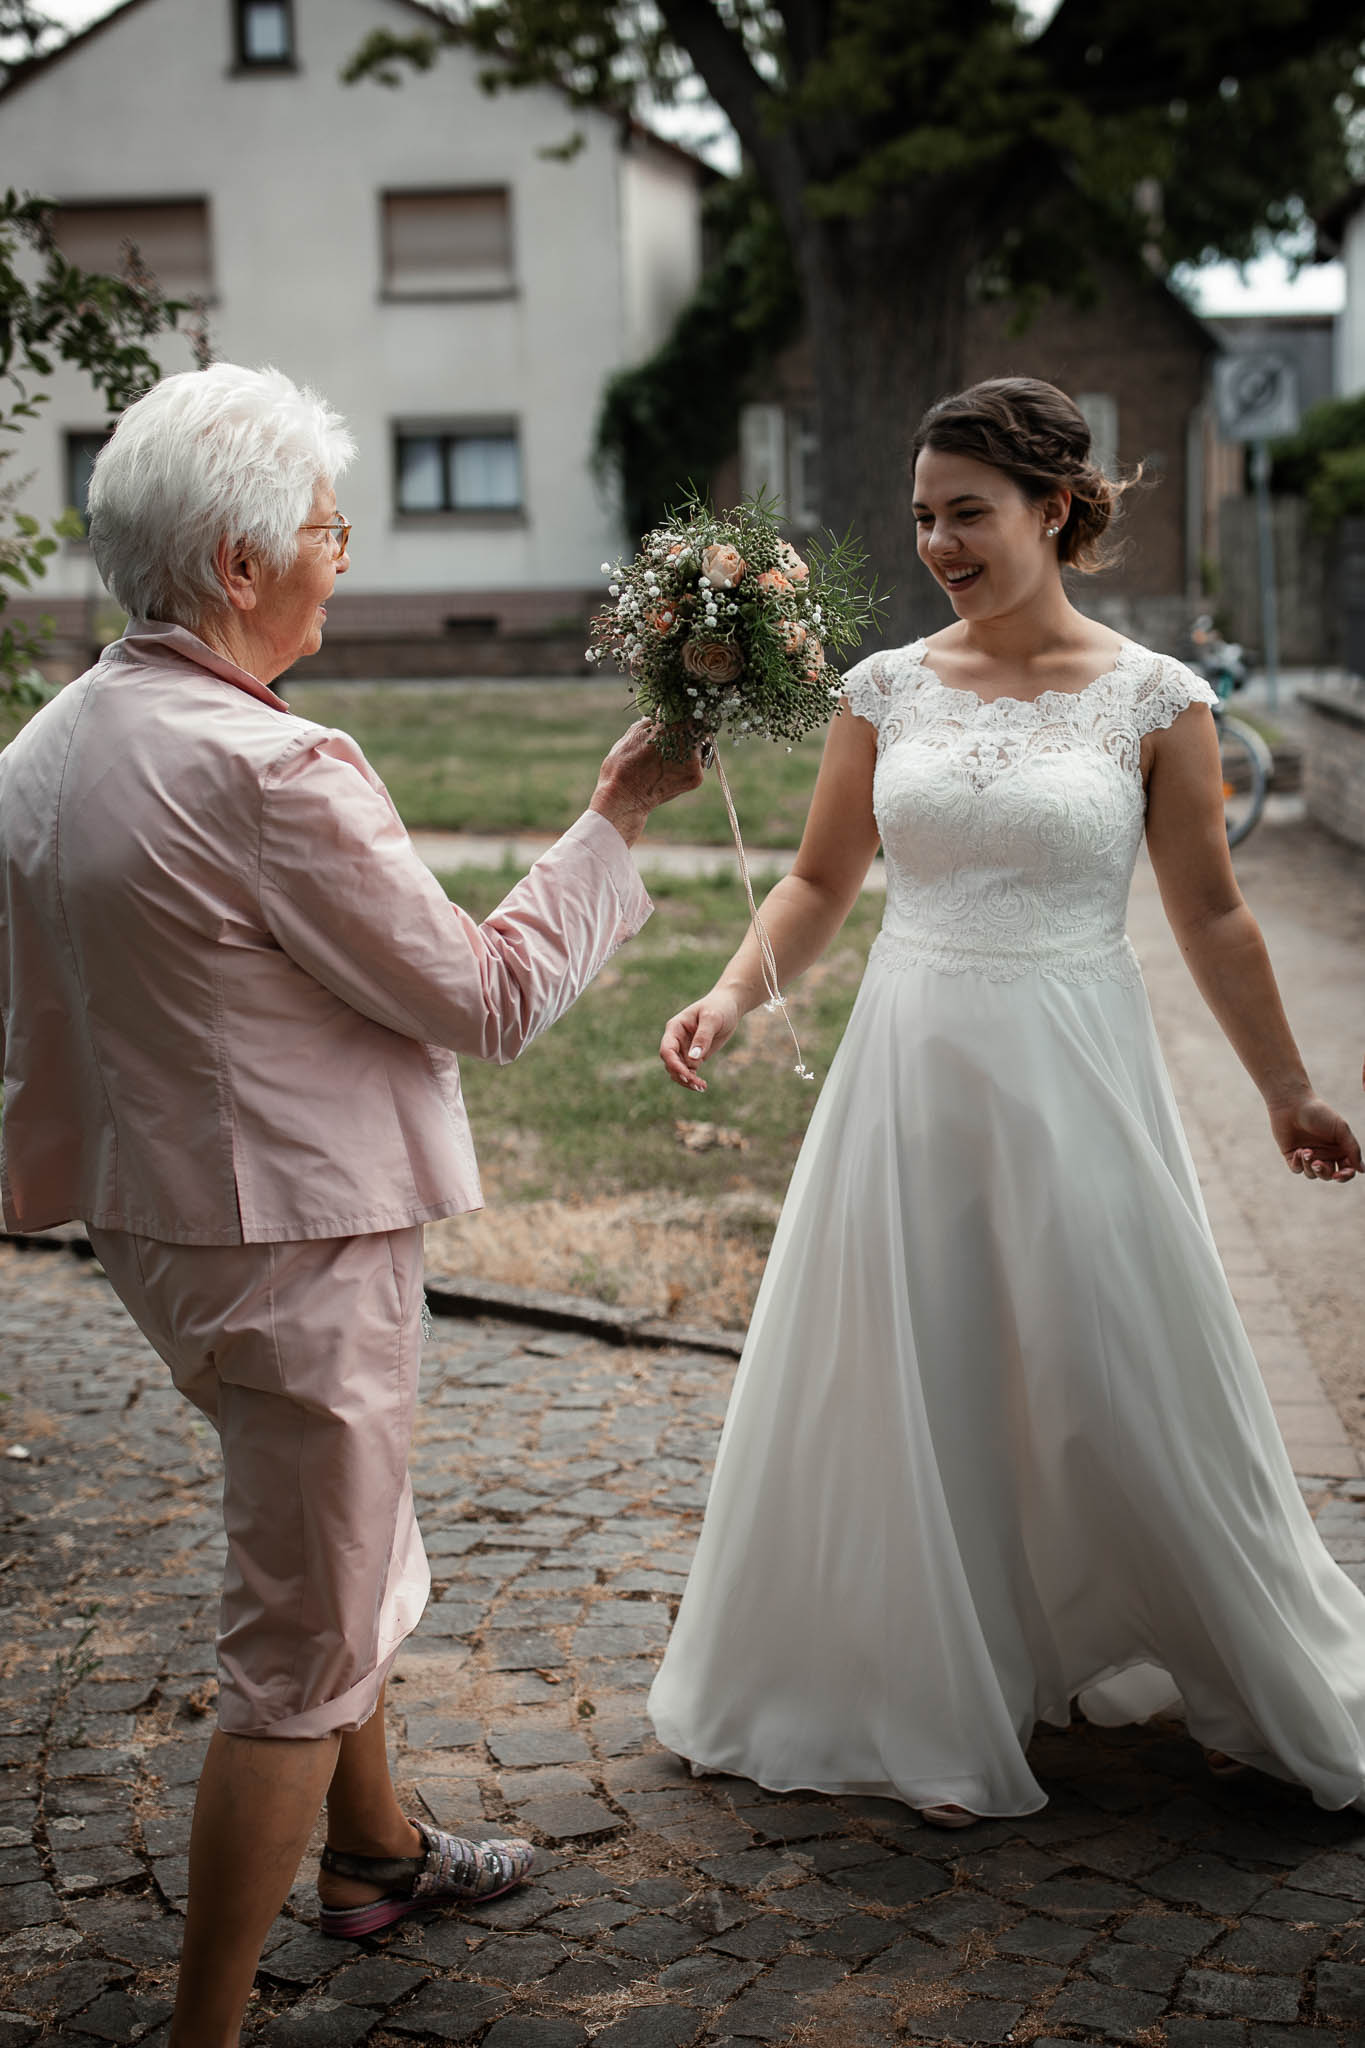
886	304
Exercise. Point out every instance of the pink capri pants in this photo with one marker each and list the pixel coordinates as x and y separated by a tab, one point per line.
304	1357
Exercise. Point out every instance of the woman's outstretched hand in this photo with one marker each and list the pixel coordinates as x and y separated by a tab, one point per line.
694	1034
1316	1141
635	779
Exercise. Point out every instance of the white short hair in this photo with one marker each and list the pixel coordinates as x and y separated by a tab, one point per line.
208	455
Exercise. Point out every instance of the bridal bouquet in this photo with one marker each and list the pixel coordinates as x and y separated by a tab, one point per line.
723	628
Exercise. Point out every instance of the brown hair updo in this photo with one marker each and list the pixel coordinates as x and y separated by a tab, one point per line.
1037	436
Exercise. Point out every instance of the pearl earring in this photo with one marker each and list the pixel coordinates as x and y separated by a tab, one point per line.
1051	532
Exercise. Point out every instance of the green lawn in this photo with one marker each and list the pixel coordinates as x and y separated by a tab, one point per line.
591	1101
12	719
523	757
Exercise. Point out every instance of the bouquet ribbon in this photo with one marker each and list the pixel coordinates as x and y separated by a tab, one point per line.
776	1002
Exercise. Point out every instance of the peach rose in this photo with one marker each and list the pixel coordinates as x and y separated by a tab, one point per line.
774	582
794	636
712	661
722	566
815	659
792	563
663	621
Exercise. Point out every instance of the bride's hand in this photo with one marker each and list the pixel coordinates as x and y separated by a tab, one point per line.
1316	1141
694	1034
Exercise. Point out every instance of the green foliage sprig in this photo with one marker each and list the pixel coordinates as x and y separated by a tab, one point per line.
24	552
52	312
724	628
1325	461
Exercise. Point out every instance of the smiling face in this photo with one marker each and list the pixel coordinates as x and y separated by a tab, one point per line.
291	608
980	537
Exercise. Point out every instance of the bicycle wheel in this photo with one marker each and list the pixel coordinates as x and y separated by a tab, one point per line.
1244	778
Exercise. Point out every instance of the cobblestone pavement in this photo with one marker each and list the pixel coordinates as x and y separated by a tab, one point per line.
560	1481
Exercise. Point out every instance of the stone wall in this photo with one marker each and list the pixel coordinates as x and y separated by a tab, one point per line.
1334	762
499	657
1350	563
1153	621
384	636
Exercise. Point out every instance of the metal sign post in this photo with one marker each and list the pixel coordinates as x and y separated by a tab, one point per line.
1265	559
1257	396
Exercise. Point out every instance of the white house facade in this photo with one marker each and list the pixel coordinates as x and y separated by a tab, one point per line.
428	257
1350	335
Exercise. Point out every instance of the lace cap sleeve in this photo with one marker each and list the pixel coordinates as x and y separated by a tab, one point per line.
868	688
1165	689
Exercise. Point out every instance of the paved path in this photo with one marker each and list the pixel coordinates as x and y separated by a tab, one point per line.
560	1482
445	851
1259	1212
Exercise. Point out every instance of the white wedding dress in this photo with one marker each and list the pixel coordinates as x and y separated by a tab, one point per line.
997	1438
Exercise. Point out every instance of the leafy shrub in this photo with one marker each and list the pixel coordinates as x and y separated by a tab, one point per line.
1325	461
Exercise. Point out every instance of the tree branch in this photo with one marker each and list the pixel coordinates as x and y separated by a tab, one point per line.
728	73
806	24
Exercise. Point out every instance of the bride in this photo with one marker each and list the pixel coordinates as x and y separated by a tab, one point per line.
998	1441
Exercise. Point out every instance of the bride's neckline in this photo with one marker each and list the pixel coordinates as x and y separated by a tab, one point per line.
916	651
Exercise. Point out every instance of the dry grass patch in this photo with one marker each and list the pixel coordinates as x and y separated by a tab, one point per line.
689	1259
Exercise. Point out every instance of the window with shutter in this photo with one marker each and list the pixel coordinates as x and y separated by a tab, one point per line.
171	237
447	244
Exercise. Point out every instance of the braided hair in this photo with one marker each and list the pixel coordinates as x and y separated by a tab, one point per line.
1037	436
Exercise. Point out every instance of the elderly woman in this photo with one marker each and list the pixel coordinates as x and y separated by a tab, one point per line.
232	997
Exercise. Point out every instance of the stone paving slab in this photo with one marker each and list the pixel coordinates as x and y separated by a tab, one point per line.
1147	1903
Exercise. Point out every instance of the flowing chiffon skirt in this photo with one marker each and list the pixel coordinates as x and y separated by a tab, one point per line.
998	1439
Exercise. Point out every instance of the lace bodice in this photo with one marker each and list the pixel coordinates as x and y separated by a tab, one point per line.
1010	829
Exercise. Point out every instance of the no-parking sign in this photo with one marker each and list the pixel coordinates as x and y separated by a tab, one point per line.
1257	395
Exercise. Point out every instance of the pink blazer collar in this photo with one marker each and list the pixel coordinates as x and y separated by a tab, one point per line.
151	640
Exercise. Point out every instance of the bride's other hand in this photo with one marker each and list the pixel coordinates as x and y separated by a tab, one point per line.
694	1034
1316	1141
802	912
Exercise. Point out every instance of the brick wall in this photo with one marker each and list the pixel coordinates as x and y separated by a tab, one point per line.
1138	345
1334	763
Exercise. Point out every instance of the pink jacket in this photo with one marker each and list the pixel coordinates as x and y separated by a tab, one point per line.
231	994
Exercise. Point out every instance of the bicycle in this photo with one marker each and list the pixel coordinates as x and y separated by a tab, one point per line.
1248	766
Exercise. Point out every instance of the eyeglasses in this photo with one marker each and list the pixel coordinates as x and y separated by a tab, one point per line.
339	528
